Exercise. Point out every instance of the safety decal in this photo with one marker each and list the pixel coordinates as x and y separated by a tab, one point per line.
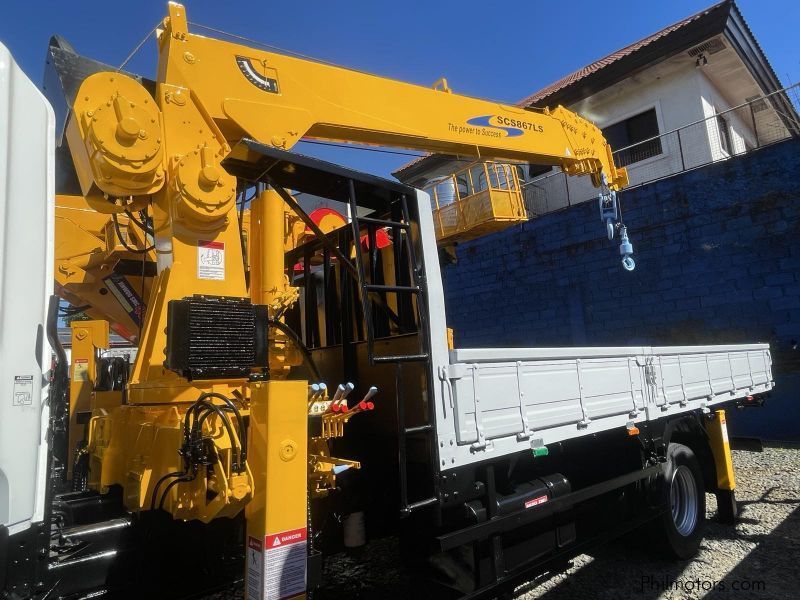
536	501
724	429
127	297
264	78
211	260
80	369
255	569
23	390
285	564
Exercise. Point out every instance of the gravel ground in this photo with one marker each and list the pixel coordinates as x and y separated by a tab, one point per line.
755	559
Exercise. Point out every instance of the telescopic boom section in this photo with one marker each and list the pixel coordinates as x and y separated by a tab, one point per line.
278	99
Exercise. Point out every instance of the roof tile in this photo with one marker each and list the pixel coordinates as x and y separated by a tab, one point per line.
612	58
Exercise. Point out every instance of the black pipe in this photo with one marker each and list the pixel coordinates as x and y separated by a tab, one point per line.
300	345
239	420
52	337
239	466
170	486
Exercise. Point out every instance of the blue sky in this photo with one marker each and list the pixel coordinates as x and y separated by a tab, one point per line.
503	52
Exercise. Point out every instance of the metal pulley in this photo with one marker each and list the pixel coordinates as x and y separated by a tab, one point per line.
116	137
205	189
609	214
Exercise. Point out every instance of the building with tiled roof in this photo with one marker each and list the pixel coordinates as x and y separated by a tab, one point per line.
691	72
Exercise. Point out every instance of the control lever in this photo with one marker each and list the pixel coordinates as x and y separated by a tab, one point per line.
365	403
339	403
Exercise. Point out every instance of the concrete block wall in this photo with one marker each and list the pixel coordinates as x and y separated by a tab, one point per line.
718	261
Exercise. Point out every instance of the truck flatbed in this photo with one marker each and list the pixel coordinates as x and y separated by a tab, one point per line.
497	401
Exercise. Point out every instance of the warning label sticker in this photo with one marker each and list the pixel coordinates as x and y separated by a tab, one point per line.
255	569
23	390
536	501
211	260
285	564
80	369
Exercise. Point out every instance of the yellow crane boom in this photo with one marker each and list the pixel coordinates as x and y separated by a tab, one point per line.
279	99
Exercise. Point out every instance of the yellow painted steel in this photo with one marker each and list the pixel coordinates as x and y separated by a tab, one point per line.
269	284
280	99
134	446
278	459
116	139
133	151
480	199
717	431
86	253
188	213
88	337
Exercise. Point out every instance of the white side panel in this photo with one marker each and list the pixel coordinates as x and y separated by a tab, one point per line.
506	399
442	398
27	134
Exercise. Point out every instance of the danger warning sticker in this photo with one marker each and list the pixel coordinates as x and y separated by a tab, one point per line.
23	390
285	564
211	260
255	569
536	501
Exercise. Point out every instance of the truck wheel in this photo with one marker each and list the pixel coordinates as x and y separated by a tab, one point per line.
681	527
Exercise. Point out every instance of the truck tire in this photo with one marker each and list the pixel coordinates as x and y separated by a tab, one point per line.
680	529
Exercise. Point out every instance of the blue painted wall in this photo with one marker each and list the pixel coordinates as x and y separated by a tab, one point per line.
718	261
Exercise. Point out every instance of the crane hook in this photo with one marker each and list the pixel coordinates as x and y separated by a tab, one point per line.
626	249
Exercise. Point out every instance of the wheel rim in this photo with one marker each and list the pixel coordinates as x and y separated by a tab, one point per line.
683	500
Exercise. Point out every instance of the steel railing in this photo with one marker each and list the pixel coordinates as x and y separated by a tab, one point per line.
732	132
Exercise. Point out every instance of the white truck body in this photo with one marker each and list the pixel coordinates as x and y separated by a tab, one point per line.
496	401
27	167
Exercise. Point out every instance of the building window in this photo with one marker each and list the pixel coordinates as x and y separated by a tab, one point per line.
631	138
724	133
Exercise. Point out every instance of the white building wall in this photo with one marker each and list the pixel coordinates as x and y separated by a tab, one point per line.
674	95
684	96
741	132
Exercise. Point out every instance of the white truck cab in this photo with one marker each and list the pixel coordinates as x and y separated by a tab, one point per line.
27	167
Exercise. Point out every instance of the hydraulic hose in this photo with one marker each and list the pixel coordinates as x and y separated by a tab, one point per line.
299	344
239	420
122	239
